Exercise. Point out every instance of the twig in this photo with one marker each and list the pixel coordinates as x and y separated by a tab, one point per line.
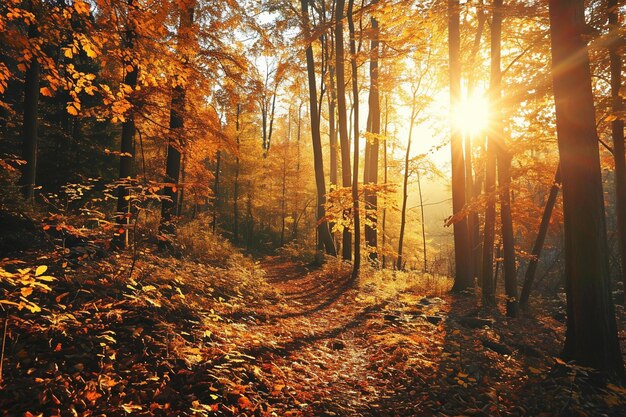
4	340
135	246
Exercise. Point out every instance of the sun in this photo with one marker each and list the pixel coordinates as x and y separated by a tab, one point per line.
472	115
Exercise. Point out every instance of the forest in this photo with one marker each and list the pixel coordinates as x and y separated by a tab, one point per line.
312	208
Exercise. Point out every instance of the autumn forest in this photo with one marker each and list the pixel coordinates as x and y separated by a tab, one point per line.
312	208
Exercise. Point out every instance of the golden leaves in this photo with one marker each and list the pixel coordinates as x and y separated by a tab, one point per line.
82	7
45	91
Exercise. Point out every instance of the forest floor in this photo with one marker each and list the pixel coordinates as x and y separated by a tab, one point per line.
172	337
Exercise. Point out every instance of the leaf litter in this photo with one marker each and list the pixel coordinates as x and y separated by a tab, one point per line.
278	338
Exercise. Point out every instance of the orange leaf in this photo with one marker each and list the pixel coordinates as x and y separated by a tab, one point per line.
92	395
244	403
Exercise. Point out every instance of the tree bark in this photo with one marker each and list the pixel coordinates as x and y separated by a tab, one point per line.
236	184
216	189
591	335
419	189
176	141
539	241
503	163
405	185
355	176
472	186
344	139
371	158
385	178
462	250
127	150
29	126
508	237
617	132
325	240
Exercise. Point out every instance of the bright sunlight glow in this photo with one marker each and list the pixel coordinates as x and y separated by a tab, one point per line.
472	115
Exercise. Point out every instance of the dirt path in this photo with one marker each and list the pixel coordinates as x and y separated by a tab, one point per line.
338	352
326	365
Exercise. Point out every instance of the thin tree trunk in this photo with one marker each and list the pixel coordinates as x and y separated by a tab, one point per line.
405	185
325	240
508	238
344	139
462	250
181	192
371	157
384	225
283	202
294	234
423	221
503	162
539	241
127	150
473	184
236	184
494	140
216	190
355	174
177	120
591	335
29	127
617	131
332	130
250	225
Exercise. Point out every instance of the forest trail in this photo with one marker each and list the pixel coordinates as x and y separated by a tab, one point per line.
328	355
339	350
278	338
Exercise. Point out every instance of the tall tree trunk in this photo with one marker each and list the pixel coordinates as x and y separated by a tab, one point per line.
344	139
539	241
405	185
181	192
29	126
355	174
176	140
250	219
332	128
473	220
283	201
371	157
617	130
127	150
423	221
462	250
384	225
294	234
508	238
494	139
236	184
216	189
325	240
503	162
591	335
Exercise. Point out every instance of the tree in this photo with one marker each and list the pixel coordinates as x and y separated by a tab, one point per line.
617	131
325	240
176	141
370	175
355	175
344	140
29	126
539	241
405	184
127	150
462	250
591	335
